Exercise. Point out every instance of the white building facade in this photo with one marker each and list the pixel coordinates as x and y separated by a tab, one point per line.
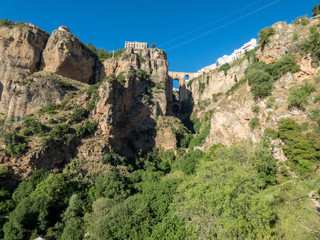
136	45
230	58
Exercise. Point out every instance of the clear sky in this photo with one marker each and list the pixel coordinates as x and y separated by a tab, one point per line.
194	33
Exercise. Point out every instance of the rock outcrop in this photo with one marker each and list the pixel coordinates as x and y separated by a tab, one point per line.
38	90
26	49
20	52
126	112
67	56
213	82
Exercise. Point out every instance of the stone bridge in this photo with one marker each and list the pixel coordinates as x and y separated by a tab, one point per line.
183	79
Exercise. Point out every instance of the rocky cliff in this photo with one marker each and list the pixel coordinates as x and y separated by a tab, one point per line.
126	111
20	52
67	56
41	70
127	98
230	120
26	49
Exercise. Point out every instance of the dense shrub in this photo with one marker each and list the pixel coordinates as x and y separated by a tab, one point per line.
261	76
196	124
315	116
269	132
27	132
256	109
113	159
312	45
223	183
92	91
225	67
317	98
78	114
15	145
251	55
59	132
189	161
86	128
6	22
202	86
113	185
103	54
47	141
304	21
200	138
301	149
50	108
260	80
38	211
299	96
264	36
32	124
254	122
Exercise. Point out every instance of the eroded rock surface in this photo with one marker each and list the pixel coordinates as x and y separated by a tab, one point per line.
67	56
20	52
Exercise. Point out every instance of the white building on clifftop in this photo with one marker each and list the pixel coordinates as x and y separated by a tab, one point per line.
230	58
136	45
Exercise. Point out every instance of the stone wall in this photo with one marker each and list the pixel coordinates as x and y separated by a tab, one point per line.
184	92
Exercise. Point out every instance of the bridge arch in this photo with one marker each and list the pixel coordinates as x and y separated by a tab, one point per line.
183	78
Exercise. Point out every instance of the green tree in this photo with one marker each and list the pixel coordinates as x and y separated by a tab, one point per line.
153	45
113	185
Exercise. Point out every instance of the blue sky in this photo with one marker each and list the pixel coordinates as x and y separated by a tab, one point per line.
193	33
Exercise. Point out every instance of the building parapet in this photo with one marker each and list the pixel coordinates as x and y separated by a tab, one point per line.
136	45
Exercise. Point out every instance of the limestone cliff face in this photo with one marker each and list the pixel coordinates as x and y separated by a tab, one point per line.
153	61
20	51
38	90
126	112
67	56
213	82
24	49
232	114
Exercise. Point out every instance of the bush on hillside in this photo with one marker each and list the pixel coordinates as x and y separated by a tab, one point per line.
264	36
315	115
78	114
261	75
189	161
6	22
256	109
225	67
299	96
301	149
86	128
312	45
254	122
15	145
269	132
32	124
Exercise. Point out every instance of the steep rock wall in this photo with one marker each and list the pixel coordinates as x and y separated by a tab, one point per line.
24	49
20	51
67	56
213	82
126	113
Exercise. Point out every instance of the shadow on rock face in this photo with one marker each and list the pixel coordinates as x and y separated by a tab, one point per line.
1	89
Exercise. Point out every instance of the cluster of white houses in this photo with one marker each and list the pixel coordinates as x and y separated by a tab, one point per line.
230	58
136	45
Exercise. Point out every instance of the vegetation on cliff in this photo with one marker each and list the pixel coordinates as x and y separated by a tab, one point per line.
192	190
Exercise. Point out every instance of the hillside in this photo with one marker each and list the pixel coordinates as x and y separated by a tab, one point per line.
96	147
